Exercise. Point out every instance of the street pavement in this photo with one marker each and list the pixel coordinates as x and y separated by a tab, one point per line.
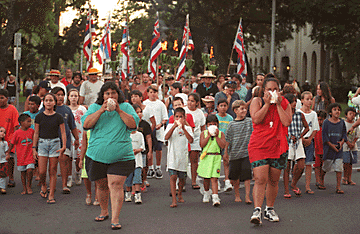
323	212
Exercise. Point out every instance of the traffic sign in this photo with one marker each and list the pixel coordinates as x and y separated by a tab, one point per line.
17	39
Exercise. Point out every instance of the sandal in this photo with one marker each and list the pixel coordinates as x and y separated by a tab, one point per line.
96	203
351	182
115	226
195	186
11	183
66	190
88	199
339	191
344	181
309	191
287	196
101	218
2	191
51	201
43	194
320	186
296	191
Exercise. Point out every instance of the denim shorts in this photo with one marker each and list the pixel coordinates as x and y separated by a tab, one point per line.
350	157
180	174
144	158
278	163
24	168
134	178
48	147
310	153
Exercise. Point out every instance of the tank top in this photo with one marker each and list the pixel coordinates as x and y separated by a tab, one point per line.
212	146
319	104
11	88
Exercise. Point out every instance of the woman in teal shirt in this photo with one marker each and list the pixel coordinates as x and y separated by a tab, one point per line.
109	157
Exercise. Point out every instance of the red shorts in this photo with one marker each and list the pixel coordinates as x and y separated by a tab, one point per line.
318	160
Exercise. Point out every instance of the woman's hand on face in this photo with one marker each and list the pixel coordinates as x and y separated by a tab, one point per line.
279	98
117	107
104	107
267	97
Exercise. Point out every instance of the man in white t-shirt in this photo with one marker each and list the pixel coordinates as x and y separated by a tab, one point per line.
54	81
90	88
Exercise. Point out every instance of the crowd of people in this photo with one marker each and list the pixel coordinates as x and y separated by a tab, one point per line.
107	130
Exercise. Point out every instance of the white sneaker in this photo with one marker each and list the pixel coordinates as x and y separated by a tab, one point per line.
138	198
128	196
228	186
78	179
216	200
256	216
69	183
206	197
219	187
270	214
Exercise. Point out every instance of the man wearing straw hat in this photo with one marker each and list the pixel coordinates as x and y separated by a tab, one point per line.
90	88
207	88
54	81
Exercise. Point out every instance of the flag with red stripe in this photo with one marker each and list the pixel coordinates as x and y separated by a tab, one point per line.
155	49
125	51
104	51
239	47
88	47
184	50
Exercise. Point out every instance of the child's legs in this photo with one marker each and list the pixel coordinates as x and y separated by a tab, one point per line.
272	186
11	164
129	182
247	190
173	178
87	183
206	184
317	166
137	179
29	175
53	162
181	185
261	177
194	160
226	169
43	161
338	179
346	171
23	180
286	177
298	170
64	168
214	185
158	157
310	153
308	171
236	184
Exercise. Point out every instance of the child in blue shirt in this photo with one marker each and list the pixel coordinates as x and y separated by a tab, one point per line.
34	103
334	136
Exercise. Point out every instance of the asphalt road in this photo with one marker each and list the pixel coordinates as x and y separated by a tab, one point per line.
324	212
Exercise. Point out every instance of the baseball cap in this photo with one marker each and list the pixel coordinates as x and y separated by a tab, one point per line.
45	84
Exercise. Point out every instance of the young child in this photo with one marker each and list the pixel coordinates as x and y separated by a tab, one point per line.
179	135
209	108
199	120
134	179
319	151
334	136
23	142
46	144
237	138
350	148
224	120
158	108
308	140
3	163
34	103
210	159
297	129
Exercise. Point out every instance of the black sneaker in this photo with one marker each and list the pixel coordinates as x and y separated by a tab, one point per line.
158	174
256	217
150	174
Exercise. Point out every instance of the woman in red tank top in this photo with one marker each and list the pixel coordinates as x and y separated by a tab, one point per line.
269	116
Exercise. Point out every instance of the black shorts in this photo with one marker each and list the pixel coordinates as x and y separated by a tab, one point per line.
97	170
240	169
156	145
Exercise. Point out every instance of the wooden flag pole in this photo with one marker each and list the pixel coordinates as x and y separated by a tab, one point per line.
230	61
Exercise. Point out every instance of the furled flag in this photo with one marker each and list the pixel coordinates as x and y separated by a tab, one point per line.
184	50
125	50
104	51
89	32
191	42
239	47
155	49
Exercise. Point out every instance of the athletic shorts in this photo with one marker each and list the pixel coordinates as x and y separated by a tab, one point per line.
240	169
336	164
298	153
156	145
179	174
350	157
278	163
97	170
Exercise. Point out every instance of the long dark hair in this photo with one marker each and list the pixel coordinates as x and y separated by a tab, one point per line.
55	99
326	93
104	88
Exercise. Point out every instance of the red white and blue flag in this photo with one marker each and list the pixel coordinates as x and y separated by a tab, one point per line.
88	47
125	51
191	42
184	50
155	49
239	47
104	51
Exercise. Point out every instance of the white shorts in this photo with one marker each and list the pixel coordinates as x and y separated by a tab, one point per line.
337	164
297	154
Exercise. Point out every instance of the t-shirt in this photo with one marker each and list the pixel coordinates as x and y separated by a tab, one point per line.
158	110
71	86
199	120
177	154
3	148
9	120
69	121
145	129
32	116
23	142
137	140
221	95
90	91
224	122
189	119
238	135
29	84
49	125
351	136
333	132
77	118
203	91
110	140
11	88
312	120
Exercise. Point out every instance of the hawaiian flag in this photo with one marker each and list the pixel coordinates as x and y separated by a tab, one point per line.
239	47
104	51
155	49
89	32
191	42
125	50
184	50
